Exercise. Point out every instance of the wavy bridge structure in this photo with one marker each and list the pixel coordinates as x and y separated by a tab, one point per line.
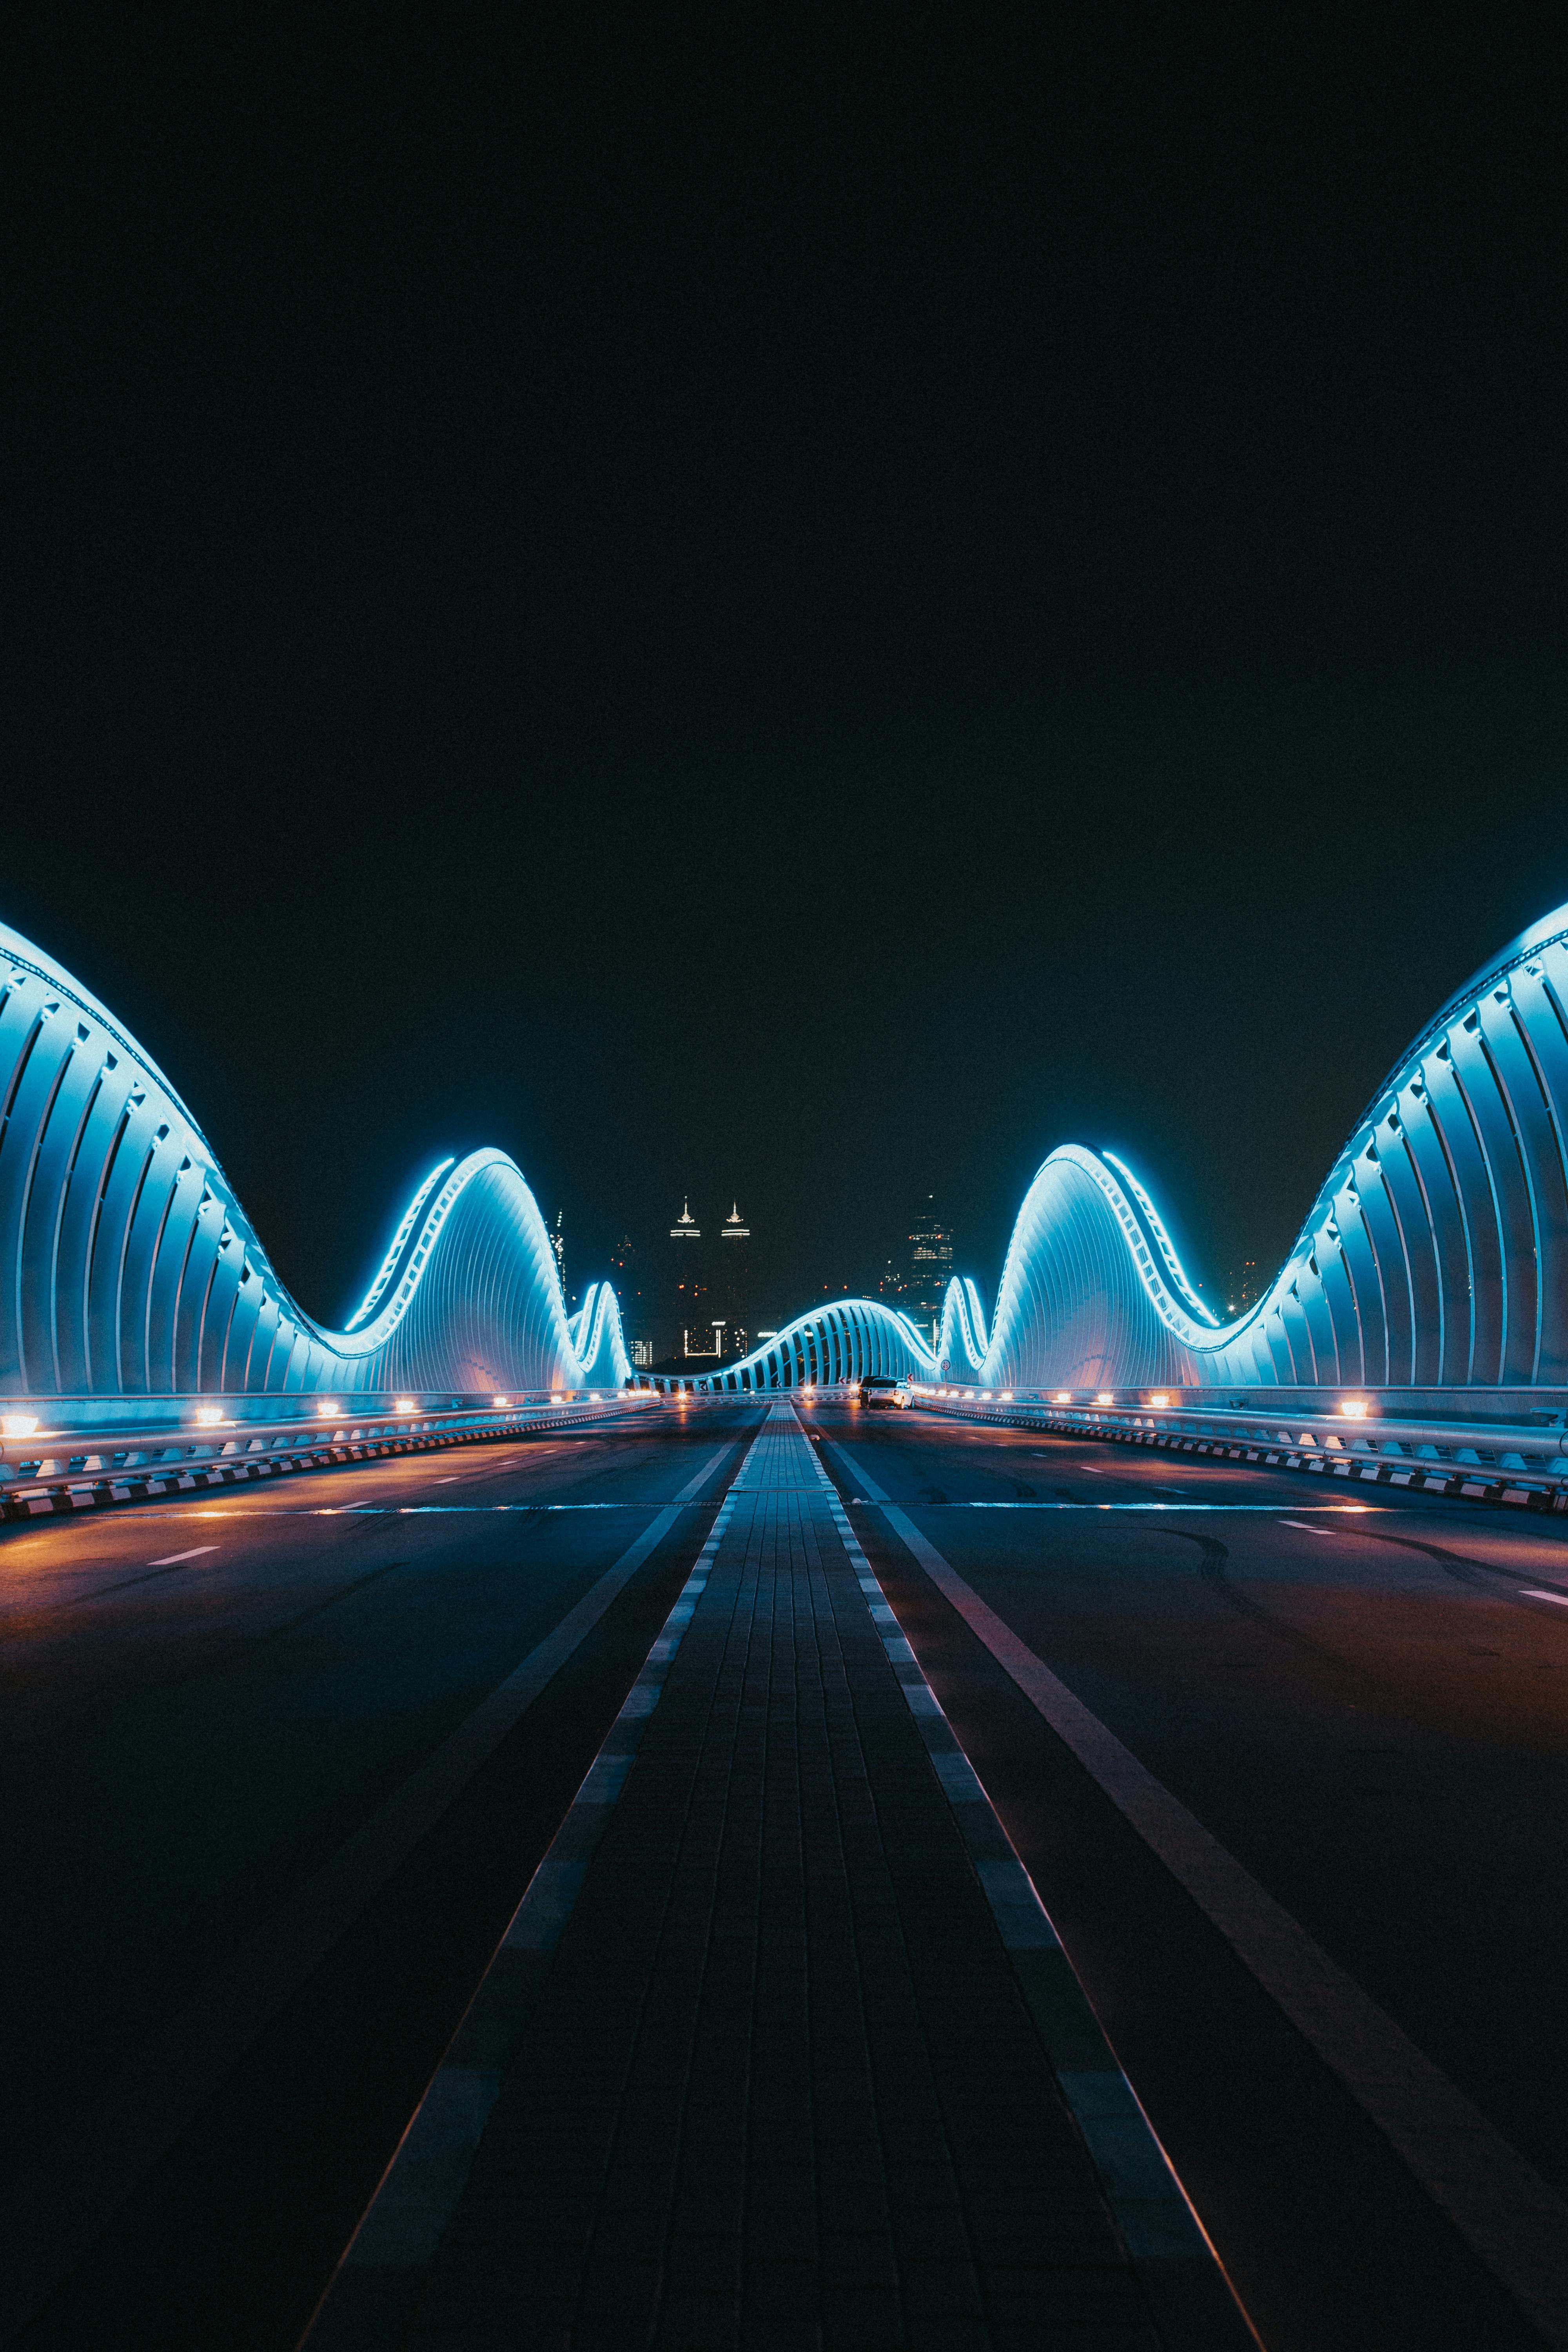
1434	1259
128	1268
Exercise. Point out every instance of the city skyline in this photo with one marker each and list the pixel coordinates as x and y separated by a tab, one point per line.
667	1327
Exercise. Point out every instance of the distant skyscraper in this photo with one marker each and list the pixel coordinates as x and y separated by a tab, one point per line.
700	1304
734	1281
685	1288
930	1264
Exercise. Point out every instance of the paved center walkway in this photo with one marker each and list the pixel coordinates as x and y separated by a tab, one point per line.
779	2069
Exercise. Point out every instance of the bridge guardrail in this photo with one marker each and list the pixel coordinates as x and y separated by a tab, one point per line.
85	1469
1491	1461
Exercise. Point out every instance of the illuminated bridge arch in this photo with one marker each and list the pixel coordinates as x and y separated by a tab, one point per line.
1435	1256
846	1341
128	1267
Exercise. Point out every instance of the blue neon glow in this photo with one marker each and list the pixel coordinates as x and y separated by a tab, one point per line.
466	1299
1425	1260
389	1263
1435	1255
1166	1246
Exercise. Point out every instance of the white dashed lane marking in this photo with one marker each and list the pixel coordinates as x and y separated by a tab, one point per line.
174	1558
151	2102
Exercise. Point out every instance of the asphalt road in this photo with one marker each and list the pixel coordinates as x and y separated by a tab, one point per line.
205	1704
1368	1709
235	1946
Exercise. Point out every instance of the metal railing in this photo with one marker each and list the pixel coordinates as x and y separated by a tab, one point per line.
53	1467
1523	1457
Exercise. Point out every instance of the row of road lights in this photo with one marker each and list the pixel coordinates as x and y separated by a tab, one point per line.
25	1424
1159	1400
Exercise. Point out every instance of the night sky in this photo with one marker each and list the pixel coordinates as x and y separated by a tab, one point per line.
793	605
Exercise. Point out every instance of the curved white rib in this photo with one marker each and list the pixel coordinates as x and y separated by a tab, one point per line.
1435	1255
128	1267
399	1241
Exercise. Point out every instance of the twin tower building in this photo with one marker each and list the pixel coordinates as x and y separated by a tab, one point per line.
696	1305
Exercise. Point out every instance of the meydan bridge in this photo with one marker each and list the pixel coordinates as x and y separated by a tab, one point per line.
1430	1278
632	1886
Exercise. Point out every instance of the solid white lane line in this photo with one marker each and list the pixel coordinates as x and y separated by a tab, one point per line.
153	2100
1499	2204
1240	1510
1533	1593
174	1558
1194	2303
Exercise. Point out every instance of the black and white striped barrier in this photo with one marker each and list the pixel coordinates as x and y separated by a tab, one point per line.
58	1497
1467	1480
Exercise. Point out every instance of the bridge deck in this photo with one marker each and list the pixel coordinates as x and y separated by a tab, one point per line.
766	2056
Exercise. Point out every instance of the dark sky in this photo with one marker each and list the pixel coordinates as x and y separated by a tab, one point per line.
797	603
